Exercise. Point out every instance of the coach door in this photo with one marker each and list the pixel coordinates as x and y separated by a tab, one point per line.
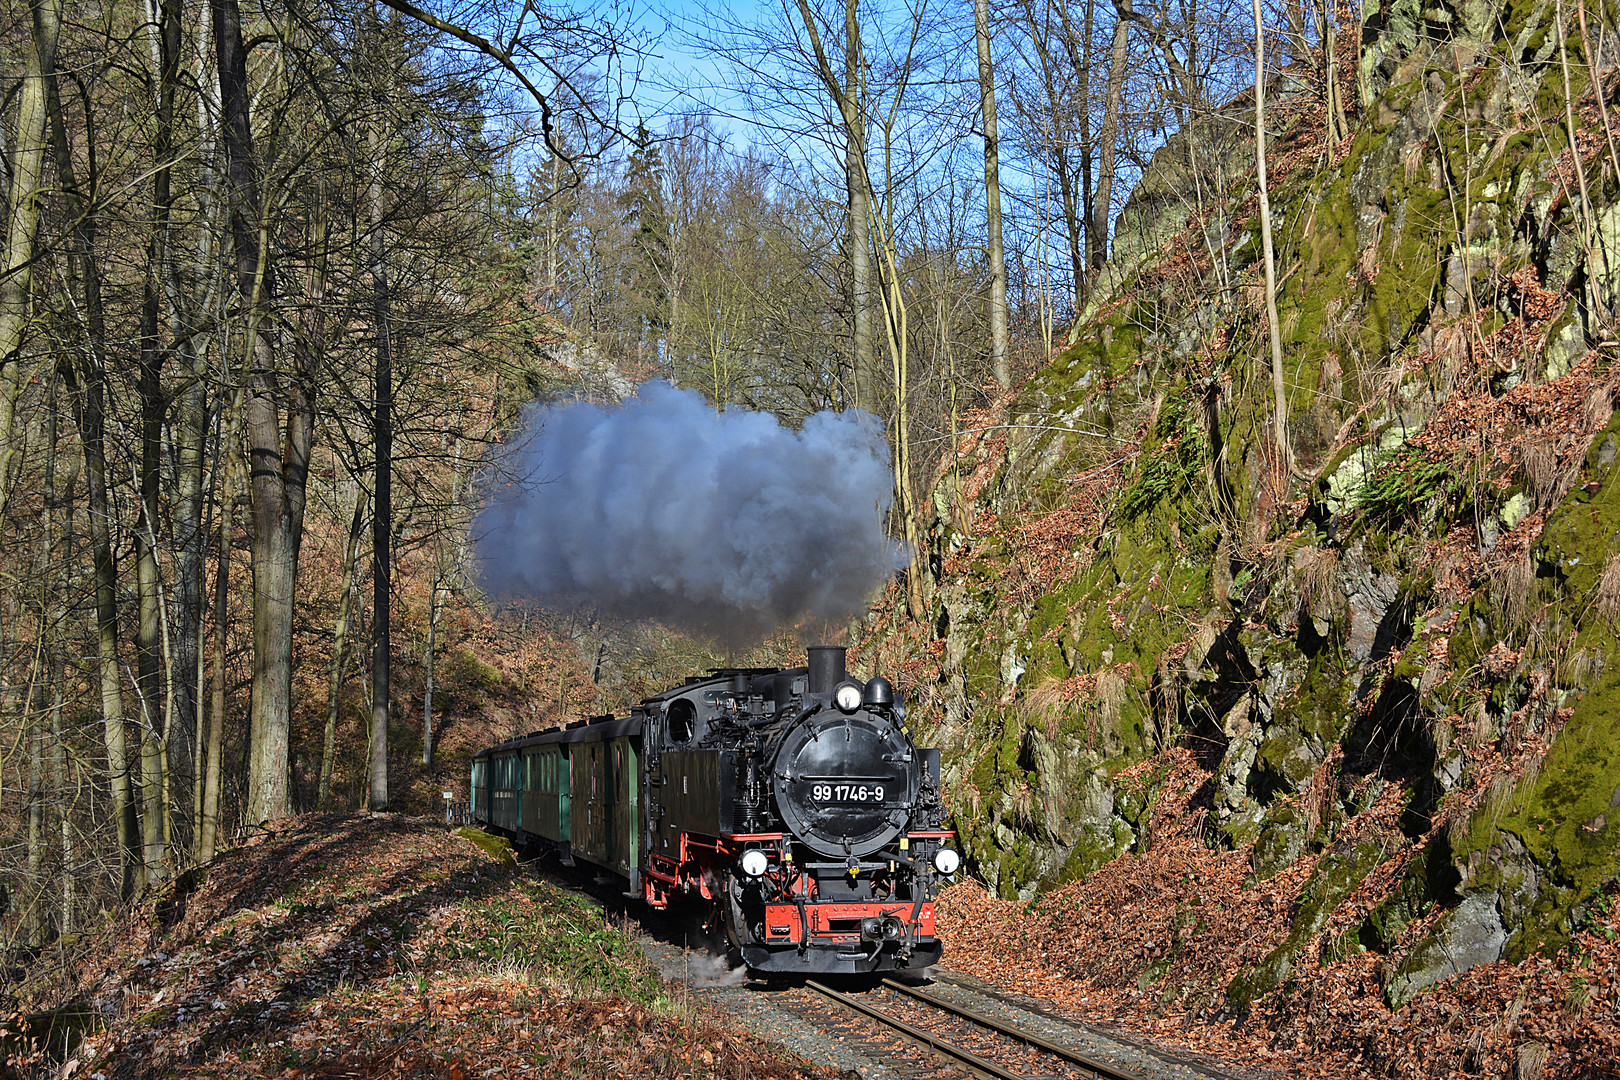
622	812
589	802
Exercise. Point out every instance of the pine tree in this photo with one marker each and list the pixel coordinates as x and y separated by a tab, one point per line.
642	199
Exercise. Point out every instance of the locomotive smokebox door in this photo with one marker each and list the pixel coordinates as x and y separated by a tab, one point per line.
845	784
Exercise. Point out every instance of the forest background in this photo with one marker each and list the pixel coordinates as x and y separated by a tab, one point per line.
278	277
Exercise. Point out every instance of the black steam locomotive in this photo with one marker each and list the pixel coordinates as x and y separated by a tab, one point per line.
793	802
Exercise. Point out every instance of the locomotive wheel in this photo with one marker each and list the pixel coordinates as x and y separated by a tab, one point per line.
728	913
723	926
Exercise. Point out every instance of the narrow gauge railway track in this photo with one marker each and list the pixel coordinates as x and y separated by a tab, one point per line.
990	1038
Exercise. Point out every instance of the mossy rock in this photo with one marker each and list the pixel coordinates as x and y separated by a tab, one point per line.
498	848
56	1033
1466	936
1289	757
1282	840
1427	878
1568	818
1336	876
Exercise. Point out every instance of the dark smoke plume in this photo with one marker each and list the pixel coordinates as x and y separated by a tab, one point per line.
725	523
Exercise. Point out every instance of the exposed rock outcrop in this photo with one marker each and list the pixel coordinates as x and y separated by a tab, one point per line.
1428	603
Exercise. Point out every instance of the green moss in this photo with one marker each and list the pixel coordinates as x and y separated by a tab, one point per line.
1288	756
1092	850
1568	818
160	1017
1409	900
1336	876
496	847
1519	14
1321	707
1282	840
1018	867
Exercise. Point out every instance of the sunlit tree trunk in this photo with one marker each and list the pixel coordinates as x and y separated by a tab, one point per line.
154	684
340	646
435	607
212	774
278	455
382	517
90	416
1078	206
194	553
1338	126
1108	137
1285	463
89	409
845	90
992	197
22	234
59	532
148	618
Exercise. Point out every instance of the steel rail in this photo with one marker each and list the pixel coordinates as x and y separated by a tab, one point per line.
966	1057
1108	1072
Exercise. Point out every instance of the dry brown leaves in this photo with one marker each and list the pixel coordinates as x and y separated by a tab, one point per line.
1150	941
361	947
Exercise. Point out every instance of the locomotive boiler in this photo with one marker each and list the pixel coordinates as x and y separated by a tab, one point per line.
793	802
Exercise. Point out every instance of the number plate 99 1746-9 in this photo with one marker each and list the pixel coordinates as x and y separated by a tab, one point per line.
860	793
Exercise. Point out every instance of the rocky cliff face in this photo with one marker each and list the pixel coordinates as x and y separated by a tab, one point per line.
1426	603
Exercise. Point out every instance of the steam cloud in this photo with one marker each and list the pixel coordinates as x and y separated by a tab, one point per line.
724	523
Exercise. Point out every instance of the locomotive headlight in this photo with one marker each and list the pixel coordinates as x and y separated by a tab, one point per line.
754	862
847	697
947	861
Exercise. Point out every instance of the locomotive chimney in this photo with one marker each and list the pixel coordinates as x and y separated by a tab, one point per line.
826	668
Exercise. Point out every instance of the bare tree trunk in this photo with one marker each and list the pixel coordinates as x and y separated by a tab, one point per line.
1074	228
152	685
208	833
845	90
859	199
190	436
33	930
1338	126
1294	10
434	608
896	322
382	518
59	782
992	197
1108	138
553	233
90	416
1280	427
148	630
279	467
340	647
1083	239
47	656
27	192
59	497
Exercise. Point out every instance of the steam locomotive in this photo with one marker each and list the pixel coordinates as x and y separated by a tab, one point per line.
793	803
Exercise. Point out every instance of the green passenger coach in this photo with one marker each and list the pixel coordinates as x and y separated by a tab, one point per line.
575	791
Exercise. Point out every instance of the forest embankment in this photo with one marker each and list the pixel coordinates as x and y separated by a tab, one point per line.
342	945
